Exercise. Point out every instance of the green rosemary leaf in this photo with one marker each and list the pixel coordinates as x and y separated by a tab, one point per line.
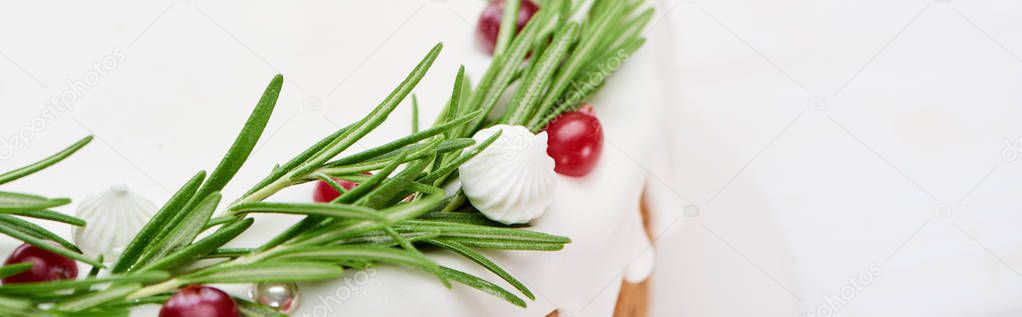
109	312
228	253
498	75
327	210
93	273
22	233
508	26
150	233
17	307
598	69
216	221
453	165
14	269
634	27
265	272
14	202
25	312
415	114
191	223
35	231
455	102
250	309
566	12
9	302
182	232
94	299
47	298
413	186
44	163
482	285
534	86
453	203
350	229
381	238
243	144
280	171
619	25
413	252
374	119
578	58
480	259
150	300
201	248
462	218
50	215
356	193
369	185
45	287
335	253
500	244
418	151
463	105
596	10
333	184
400	144
453	109
525	72
311	222
482	232
393	187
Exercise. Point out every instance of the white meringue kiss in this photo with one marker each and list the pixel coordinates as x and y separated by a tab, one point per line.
112	218
513	180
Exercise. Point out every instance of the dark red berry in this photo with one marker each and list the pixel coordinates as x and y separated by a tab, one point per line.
575	142
46	266
199	301
326	193
489	21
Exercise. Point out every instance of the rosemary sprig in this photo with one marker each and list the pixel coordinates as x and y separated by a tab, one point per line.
386	219
32	206
44	163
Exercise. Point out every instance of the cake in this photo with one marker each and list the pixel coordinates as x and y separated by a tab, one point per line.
165	113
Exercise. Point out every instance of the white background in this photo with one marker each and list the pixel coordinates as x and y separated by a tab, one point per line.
808	139
919	97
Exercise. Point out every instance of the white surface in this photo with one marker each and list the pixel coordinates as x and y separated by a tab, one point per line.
929	94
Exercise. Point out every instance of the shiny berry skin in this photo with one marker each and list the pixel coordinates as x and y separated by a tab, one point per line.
326	193
575	142
46	266
199	301
489	22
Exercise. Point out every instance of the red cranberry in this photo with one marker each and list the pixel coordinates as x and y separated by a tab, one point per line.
489	21
575	142
326	193
46	266
199	301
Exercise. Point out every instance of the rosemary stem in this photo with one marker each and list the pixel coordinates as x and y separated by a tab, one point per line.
167	286
254	257
266	191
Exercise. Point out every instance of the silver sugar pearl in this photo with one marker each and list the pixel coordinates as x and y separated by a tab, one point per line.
280	296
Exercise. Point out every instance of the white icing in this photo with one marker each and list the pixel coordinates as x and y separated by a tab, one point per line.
512	180
112	218
642	268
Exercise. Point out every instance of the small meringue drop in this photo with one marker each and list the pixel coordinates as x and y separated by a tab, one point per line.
513	180
113	217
